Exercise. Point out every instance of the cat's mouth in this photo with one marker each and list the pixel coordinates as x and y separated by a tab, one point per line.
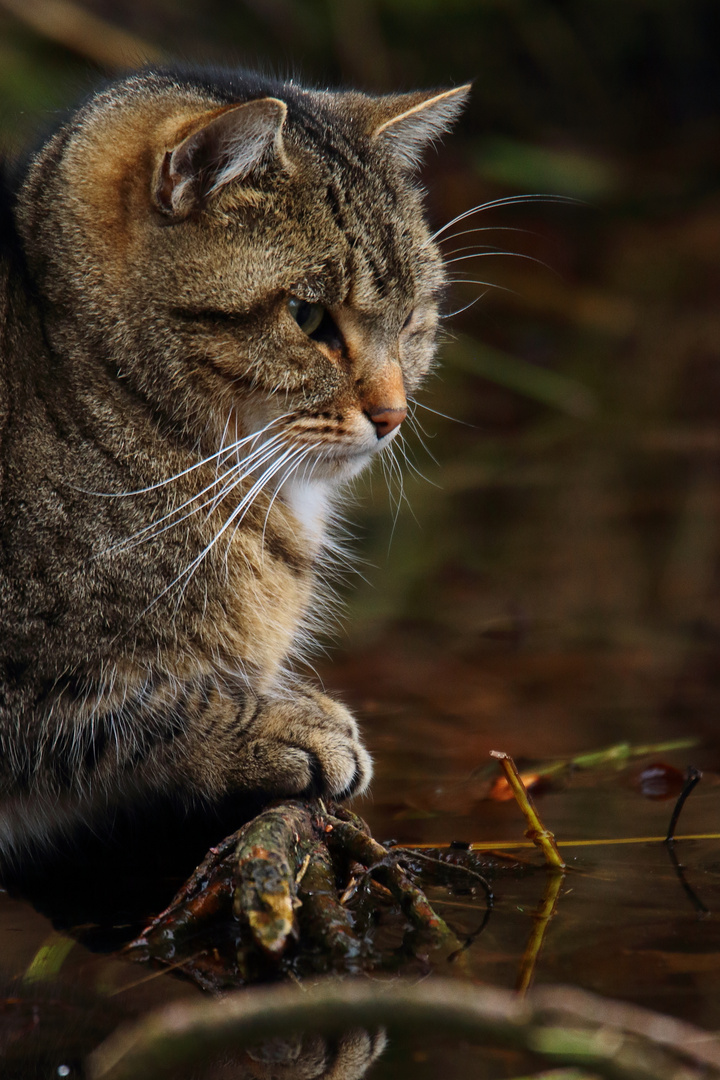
314	448
342	459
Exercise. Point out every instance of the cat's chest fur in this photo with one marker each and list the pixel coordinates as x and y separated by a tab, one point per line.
271	589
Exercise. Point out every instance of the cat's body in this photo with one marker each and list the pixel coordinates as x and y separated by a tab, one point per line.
217	294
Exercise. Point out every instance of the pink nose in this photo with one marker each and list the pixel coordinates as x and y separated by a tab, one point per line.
386	420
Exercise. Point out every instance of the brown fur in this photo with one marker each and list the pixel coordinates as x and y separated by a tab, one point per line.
149	614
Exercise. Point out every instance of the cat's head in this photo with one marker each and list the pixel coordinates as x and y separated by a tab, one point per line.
246	255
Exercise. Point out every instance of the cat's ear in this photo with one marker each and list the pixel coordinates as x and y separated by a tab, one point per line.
228	146
409	123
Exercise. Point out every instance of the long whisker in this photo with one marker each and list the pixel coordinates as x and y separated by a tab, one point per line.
496	253
250	462
242	507
219	454
473	281
445	416
420	431
402	496
264	453
459	311
486	228
509	200
292	468
404	449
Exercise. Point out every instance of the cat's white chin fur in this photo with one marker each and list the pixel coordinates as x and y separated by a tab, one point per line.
309	501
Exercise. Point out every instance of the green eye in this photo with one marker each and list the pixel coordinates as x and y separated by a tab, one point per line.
307	316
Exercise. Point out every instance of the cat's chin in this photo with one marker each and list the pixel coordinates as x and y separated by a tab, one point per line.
337	469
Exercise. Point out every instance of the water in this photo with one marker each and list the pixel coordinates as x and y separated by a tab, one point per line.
627	922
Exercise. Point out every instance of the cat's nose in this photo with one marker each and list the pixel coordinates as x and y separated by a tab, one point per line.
386	420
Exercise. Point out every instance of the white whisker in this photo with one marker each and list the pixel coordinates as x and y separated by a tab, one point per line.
495	253
404	449
486	228
487	284
445	416
459	311
151	530
509	200
292	468
224	450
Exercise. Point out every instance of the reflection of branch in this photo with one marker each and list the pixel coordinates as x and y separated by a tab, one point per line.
69	24
695	900
541	921
562	1026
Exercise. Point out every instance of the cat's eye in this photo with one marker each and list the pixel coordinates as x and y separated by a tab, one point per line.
308	316
408	320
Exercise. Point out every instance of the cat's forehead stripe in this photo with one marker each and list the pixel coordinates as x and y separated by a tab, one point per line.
372	242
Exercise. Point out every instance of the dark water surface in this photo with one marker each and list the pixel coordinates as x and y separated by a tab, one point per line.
627	922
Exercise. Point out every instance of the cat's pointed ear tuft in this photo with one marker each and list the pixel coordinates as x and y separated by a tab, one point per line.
228	145
409	123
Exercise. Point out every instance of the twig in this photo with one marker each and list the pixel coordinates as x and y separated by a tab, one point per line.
322	917
381	863
266	864
693	778
203	897
702	910
536	830
284	876
491	847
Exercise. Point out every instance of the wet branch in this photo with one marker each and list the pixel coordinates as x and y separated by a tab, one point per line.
299	884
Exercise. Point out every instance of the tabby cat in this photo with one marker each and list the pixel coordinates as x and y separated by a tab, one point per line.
217	294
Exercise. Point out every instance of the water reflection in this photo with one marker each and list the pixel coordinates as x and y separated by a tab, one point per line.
620	922
50	1029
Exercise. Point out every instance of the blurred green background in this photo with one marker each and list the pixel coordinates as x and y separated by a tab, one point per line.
557	574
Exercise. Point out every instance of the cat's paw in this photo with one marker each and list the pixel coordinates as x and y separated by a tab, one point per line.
348	1056
305	744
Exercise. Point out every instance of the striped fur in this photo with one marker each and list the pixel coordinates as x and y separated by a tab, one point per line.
172	438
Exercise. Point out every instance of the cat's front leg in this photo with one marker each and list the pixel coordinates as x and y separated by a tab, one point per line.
301	743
